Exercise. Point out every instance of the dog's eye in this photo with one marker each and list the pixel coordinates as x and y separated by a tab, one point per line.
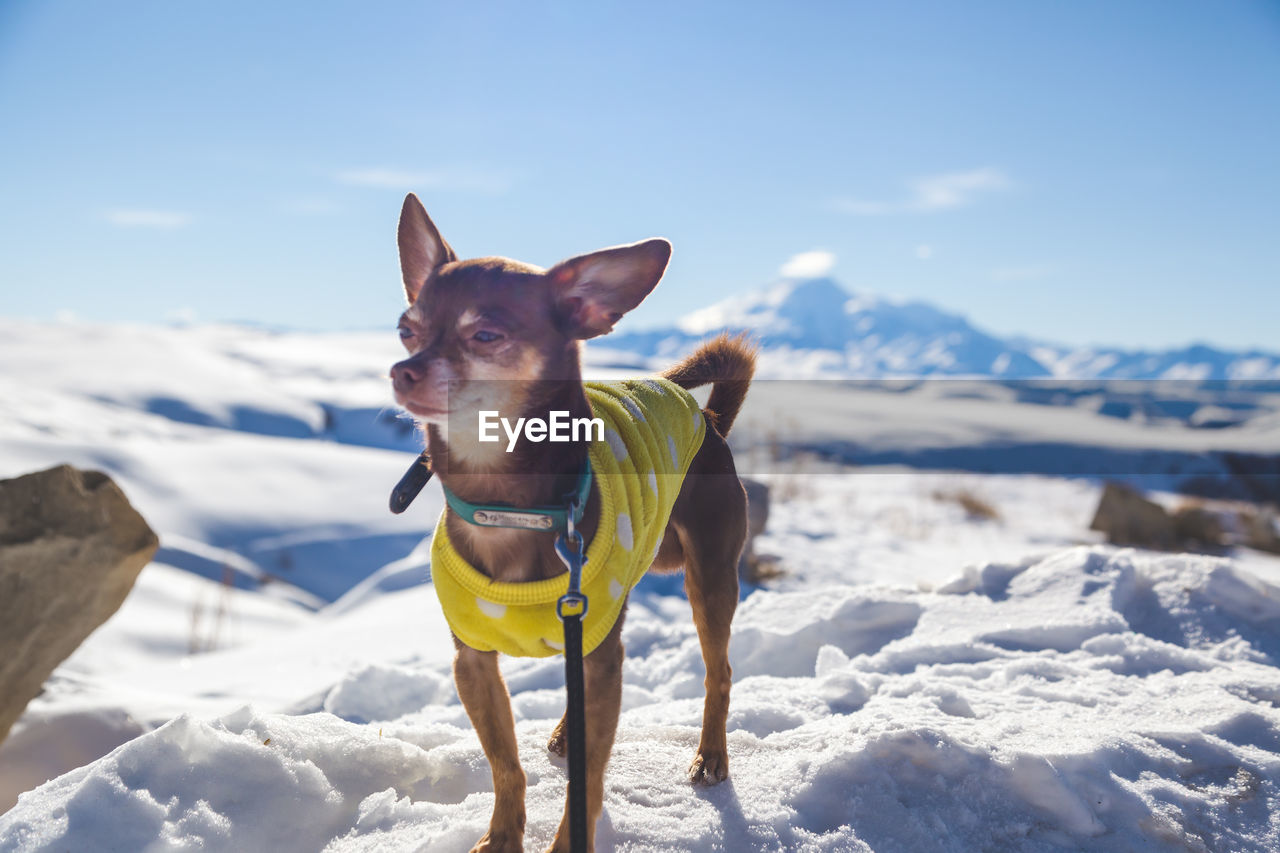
485	336
405	332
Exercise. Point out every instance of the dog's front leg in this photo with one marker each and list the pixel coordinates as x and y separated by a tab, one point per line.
602	680
484	695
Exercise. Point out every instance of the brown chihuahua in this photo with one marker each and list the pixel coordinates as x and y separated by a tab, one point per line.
474	321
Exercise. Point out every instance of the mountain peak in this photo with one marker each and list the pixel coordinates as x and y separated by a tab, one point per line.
869	335
790	308
808	290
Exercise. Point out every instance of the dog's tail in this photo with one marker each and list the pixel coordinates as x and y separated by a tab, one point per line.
728	363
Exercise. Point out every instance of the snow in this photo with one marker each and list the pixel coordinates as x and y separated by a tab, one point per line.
914	679
1099	698
254	462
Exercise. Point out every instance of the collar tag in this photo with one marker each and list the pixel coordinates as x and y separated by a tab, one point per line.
534	518
509	518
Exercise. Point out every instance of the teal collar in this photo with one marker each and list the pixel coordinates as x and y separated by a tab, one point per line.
531	518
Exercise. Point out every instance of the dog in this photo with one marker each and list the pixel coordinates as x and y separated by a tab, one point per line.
493	334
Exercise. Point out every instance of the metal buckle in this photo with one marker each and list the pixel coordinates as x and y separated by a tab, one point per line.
571	604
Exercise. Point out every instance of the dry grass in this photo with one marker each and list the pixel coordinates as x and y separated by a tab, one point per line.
761	569
974	506
788	472
206	639
905	522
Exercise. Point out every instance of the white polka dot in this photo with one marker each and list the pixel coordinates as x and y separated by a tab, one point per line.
615	444
633	408
615	589
558	646
653	482
675	454
656	548
490	608
697	419
623	531
655	385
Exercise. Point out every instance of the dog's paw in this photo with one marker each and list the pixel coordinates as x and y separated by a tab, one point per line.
499	842
709	768
559	742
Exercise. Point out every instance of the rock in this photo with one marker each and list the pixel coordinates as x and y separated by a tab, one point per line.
1199	528
1127	518
757	507
1261	530
70	549
1205	527
750	563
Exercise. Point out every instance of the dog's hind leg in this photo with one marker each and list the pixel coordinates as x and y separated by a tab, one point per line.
713	592
712	526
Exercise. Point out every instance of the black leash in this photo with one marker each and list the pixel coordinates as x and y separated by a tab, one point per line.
570	608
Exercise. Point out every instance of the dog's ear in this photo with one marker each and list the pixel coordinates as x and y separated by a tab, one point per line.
593	291
421	247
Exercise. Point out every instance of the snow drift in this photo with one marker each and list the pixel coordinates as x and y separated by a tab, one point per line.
1097	699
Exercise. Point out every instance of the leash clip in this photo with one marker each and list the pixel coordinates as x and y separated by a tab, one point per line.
572	552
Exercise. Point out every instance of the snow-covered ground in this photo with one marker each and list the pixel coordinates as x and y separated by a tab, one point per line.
914	679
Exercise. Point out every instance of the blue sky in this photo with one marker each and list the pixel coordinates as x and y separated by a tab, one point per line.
1090	172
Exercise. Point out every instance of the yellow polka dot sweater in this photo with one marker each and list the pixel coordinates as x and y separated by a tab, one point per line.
653	429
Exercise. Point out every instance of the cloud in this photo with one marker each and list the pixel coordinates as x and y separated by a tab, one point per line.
1023	273
140	218
924	251
932	193
955	189
184	316
814	264
403	180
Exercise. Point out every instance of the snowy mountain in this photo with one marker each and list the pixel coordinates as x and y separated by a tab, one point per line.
815	328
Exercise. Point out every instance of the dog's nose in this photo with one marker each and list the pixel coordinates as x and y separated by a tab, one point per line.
405	375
